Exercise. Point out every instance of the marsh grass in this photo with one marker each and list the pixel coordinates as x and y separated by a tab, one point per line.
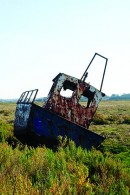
7	112
69	170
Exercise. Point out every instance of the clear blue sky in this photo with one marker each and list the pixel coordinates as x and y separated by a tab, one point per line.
40	38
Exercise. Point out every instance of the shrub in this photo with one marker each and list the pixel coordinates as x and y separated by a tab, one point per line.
100	119
6	131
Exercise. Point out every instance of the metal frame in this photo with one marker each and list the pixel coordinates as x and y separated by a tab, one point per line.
26	96
84	76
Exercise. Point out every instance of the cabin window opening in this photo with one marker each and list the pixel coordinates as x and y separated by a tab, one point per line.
83	101
86	98
68	89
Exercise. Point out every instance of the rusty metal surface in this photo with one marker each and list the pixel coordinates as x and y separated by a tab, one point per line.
69	107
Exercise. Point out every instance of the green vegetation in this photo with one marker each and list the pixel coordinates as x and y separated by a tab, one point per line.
69	170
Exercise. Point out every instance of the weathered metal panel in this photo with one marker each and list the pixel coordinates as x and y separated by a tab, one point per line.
21	117
70	108
48	125
23	109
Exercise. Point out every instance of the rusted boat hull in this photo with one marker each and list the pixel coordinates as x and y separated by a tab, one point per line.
41	126
60	114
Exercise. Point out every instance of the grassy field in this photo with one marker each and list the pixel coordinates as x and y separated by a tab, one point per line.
69	170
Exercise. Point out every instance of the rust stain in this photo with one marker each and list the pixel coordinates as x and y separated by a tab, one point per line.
70	107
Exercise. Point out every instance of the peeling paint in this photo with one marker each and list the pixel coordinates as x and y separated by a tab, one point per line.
70	108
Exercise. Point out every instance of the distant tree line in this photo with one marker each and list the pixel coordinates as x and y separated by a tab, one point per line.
112	97
120	97
82	99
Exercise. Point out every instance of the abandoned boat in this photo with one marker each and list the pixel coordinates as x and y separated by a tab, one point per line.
60	115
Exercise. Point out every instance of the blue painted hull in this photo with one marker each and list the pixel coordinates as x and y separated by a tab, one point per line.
44	127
